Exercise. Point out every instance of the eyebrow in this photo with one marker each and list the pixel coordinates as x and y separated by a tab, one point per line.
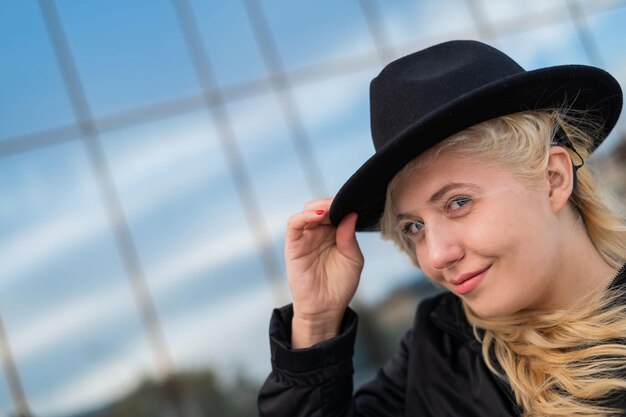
439	194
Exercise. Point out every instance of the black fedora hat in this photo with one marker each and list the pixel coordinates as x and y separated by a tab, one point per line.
419	100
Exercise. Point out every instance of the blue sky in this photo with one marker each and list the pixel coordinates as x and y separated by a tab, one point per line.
65	296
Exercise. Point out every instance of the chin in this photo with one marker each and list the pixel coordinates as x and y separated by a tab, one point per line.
489	310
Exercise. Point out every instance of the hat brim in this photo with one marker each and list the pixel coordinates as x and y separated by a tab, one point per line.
576	87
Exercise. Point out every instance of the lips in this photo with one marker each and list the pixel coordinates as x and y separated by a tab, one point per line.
465	283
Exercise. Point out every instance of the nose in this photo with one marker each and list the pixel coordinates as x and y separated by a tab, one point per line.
443	248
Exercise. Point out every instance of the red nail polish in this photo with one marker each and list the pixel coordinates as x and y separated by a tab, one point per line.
319	212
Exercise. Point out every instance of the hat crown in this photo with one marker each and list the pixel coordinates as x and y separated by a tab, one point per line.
421	99
410	88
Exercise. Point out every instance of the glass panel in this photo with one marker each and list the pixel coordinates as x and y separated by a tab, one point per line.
591	5
409	21
386	269
199	256
228	334
68	309
608	31
275	170
33	95
530	50
498	10
313	32
339	129
129	54
6	404
239	58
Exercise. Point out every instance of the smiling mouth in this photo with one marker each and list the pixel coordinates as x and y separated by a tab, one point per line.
467	282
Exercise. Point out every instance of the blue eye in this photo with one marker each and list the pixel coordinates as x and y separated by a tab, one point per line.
457	203
412	228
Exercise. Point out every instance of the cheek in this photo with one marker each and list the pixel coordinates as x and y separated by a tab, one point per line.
508	229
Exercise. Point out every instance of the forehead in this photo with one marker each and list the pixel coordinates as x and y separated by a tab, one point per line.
430	173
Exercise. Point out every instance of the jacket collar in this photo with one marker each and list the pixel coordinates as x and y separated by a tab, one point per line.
450	317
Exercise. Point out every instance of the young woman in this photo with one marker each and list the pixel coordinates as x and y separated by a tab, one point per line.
480	176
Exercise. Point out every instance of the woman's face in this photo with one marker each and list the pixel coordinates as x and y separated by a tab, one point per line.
481	233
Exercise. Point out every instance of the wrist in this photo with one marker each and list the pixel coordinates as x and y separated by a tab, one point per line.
307	331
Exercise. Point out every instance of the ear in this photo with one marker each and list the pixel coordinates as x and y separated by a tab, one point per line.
560	175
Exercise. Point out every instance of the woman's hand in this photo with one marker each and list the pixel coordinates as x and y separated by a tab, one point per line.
324	265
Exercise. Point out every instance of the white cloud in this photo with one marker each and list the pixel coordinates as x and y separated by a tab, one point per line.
195	341
76	316
40	243
198	341
103	382
80	313
156	163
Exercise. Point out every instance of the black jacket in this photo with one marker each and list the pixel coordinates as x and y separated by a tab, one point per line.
438	371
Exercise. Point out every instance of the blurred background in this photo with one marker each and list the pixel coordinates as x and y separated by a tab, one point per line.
151	152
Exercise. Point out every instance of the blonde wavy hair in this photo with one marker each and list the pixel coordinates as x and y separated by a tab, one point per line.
558	363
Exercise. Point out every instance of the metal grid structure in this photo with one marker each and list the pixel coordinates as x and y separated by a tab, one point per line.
89	127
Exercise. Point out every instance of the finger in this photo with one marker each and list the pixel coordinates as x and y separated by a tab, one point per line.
346	238
308	219
323	204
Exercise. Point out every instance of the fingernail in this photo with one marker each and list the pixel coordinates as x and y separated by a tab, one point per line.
319	212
